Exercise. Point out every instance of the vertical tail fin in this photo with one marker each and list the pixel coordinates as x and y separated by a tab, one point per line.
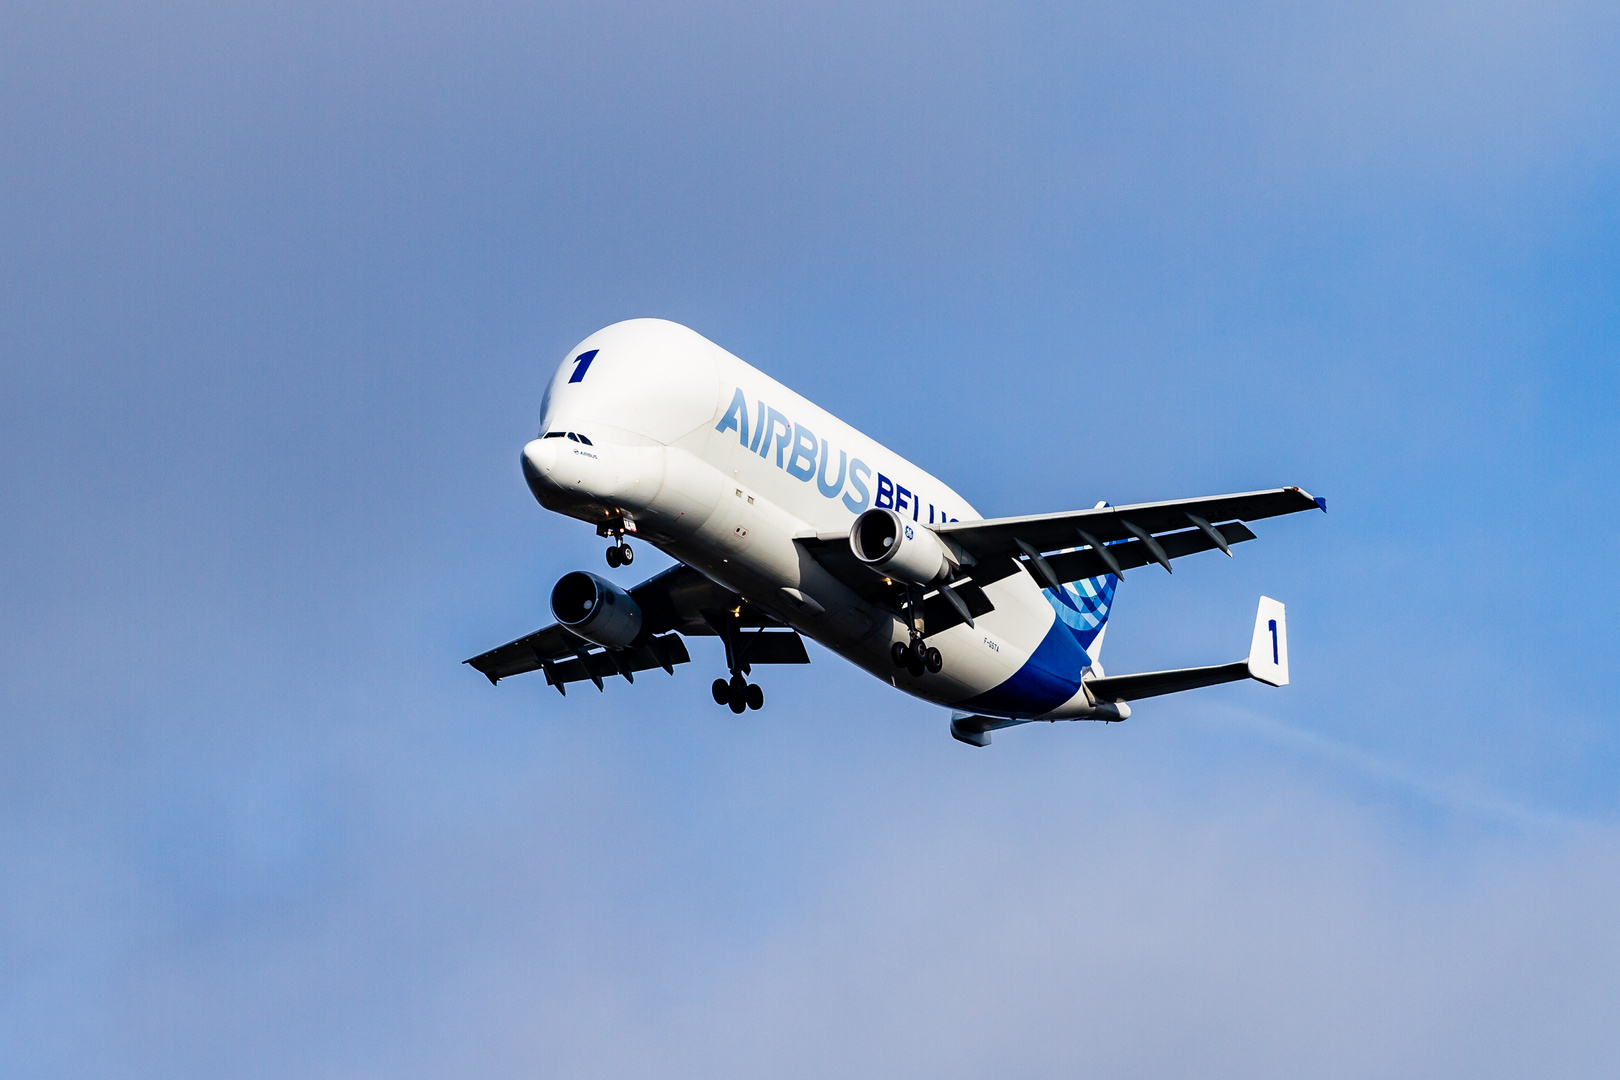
1083	606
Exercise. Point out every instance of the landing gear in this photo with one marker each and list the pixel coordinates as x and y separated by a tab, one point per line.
614	528
738	693
917	657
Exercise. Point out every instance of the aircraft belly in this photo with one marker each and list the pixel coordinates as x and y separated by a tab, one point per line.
1046	659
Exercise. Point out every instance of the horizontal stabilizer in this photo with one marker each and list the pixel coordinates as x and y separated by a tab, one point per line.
1155	683
1267	662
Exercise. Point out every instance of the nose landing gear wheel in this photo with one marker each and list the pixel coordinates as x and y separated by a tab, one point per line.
626	556
613	556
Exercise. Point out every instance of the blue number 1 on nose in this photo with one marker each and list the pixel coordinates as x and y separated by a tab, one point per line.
582	362
1272	624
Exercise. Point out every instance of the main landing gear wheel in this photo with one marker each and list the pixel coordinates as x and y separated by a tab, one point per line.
739	694
916	657
620	555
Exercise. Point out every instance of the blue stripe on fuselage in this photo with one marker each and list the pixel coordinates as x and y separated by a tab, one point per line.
1048	678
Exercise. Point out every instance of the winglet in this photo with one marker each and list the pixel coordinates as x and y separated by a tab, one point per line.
1268	650
1320	501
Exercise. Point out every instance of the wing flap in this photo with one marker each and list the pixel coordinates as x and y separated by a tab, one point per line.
772	647
661	651
1048	532
1086	563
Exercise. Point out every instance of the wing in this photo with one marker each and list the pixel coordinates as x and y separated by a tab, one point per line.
678	601
1087	544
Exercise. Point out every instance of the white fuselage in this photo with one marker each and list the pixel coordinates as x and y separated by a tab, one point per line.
721	467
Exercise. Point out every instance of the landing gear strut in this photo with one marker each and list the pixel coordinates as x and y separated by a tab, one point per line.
917	656
619	554
737	692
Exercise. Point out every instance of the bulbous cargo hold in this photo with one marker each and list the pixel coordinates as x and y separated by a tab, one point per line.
596	610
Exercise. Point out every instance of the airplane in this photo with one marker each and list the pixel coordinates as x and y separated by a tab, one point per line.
787	523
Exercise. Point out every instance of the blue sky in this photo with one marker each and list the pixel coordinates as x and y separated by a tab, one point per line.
281	286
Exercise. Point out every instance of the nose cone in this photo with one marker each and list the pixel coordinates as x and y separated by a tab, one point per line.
540	466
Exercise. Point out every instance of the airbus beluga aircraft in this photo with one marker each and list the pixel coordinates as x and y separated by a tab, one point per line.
788	523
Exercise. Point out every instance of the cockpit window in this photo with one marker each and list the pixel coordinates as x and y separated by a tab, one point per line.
552	435
586	441
572	437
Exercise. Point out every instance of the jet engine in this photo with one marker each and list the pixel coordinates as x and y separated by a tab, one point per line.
596	610
898	548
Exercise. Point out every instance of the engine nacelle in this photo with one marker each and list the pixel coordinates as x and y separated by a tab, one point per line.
891	545
596	610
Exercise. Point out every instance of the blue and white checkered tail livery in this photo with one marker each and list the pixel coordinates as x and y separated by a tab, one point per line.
1083	607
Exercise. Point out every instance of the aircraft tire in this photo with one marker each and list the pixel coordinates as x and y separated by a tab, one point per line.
756	696
919	653
613	556
935	662
899	654
722	691
916	668
738	706
626	556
